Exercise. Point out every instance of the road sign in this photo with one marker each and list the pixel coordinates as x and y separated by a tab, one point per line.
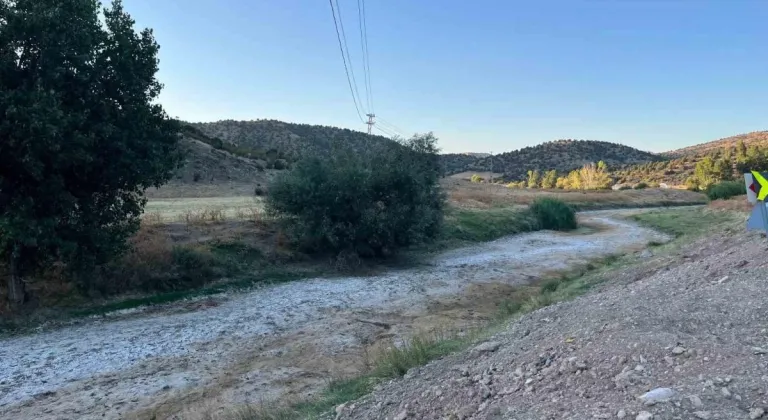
757	193
751	188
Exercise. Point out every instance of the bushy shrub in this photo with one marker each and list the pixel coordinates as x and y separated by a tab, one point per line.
725	190
641	186
553	214
625	187
366	203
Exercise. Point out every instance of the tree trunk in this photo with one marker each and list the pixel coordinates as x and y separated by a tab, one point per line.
16	293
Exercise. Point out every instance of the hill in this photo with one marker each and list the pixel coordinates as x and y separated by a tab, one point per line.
562	155
289	140
680	165
758	138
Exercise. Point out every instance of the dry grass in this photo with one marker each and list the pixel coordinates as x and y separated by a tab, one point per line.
465	194
739	204
202	216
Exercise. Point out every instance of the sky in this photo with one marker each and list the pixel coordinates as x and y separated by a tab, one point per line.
483	75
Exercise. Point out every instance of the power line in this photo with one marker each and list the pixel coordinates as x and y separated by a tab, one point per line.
346	49
344	59
366	57
385	131
391	126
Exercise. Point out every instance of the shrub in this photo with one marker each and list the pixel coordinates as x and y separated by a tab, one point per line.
625	187
725	190
641	186
554	214
280	164
365	203
476	178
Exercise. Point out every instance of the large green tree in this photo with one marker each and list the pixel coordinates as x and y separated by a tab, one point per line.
81	136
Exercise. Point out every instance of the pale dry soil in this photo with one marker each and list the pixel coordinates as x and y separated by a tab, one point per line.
689	326
282	341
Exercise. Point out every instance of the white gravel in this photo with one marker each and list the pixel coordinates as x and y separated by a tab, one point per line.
52	360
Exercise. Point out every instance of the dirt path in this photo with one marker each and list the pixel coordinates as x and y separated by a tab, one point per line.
277	341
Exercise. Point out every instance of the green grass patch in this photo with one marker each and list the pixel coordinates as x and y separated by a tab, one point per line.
687	222
486	225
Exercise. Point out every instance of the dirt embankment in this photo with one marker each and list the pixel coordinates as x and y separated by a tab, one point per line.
690	327
279	341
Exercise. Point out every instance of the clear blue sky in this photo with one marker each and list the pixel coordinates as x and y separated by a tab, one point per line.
483	75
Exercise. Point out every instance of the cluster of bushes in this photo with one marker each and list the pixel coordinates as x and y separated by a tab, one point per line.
365	204
725	190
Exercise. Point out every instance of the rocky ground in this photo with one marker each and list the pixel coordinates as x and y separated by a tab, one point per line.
287	340
681	336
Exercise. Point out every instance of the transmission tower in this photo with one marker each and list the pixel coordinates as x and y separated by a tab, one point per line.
370	122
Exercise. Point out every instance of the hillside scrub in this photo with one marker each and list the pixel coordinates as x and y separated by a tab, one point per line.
368	204
725	190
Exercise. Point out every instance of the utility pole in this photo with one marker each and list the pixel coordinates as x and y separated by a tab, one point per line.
370	122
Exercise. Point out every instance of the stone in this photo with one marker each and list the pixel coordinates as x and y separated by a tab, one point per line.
639	368
402	416
644	415
704	415
756	413
677	350
657	395
696	401
487	347
621	414
725	391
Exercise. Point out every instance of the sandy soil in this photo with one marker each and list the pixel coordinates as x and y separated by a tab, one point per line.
280	341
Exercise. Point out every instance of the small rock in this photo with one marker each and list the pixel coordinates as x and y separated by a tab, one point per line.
722	280
759	350
756	413
340	410
621	414
402	416
644	415
657	395
705	415
677	350
696	401
639	368
487	347
726	393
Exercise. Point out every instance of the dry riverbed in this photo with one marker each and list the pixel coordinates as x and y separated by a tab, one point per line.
283	341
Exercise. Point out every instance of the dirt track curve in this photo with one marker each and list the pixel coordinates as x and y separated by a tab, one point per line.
277	341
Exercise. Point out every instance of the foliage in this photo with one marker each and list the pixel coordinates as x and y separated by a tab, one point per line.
725	190
82	135
549	181
553	214
594	177
368	204
641	186
477	178
533	178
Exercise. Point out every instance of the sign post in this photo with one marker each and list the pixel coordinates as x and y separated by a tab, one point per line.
757	192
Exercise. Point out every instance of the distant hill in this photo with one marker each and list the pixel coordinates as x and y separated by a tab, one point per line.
759	138
289	140
562	155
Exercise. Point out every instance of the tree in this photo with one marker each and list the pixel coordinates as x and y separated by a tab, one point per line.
574	180
705	173
549	180
81	136
594	177
562	183
533	178
741	150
